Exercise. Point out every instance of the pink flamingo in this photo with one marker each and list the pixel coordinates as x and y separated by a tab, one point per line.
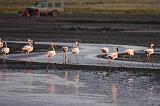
149	51
51	53
104	51
5	50
28	48
113	56
130	52
65	50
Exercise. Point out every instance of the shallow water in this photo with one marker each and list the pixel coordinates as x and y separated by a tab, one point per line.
77	87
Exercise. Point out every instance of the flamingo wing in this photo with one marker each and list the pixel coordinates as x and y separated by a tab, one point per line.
113	56
105	50
130	52
51	53
5	50
75	50
149	51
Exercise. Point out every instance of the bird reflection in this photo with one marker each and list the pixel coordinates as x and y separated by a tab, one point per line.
150	90
114	91
51	85
29	82
1	75
76	79
66	75
76	85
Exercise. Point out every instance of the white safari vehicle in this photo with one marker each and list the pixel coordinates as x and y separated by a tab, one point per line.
45	7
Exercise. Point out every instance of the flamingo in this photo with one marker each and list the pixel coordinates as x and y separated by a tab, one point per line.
149	51
130	52
1	43
104	51
75	50
65	50
113	55
5	50
51	54
28	48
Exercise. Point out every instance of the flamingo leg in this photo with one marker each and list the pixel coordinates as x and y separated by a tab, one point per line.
150	61
63	58
69	61
53	64
111	62
123	62
25	56
4	61
28	56
47	65
114	65
77	58
147	60
130	59
99	58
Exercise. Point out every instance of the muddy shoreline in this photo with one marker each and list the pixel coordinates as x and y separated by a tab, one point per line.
130	29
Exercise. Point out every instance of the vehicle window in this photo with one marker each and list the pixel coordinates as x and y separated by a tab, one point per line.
41	5
38	5
50	4
57	4
44	4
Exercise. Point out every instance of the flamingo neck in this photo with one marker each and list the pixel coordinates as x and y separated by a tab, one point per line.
77	45
52	47
116	50
5	44
30	44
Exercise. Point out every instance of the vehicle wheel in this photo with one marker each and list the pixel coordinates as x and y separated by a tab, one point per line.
54	13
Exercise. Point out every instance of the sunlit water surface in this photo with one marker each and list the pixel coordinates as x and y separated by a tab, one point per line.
77	88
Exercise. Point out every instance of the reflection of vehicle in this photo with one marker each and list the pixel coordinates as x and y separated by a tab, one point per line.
50	7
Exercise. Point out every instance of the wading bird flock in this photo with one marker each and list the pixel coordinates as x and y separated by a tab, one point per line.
75	51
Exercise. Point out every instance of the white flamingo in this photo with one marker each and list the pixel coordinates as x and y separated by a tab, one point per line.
65	50
104	51
149	51
51	53
1	43
75	51
5	50
28	48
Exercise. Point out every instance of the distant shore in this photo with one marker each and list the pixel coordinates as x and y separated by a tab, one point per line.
130	29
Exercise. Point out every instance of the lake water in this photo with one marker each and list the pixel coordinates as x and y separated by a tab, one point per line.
78	88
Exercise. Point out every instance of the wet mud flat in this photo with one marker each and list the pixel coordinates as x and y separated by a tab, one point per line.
132	29
9	64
